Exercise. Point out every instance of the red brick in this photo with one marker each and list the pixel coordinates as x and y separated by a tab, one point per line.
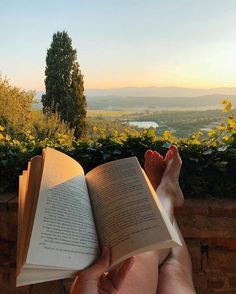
222	291
222	260
222	212
229	244
196	254
4	245
49	287
13	204
200	291
200	280
7	254
7	278
8	225
207	227
215	282
187	211
232	281
210	207
5	198
21	290
223	203
67	284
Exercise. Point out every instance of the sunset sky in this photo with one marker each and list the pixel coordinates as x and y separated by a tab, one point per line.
121	43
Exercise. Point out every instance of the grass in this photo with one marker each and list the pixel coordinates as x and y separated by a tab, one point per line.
110	113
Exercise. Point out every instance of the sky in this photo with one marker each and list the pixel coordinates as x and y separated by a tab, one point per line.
120	43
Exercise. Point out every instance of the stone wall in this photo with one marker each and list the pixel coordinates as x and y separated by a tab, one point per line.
209	227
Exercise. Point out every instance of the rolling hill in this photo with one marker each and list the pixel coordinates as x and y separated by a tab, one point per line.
154	98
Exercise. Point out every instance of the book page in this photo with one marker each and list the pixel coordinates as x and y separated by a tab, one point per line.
24	210
127	215
34	178
32	276
21	206
64	233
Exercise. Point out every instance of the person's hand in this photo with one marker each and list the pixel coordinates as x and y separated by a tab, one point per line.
96	279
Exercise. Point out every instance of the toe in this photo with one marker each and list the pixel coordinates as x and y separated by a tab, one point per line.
156	155
168	156
174	148
147	159
148	154
175	153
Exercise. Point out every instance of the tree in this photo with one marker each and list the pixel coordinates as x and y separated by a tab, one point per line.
15	108
64	84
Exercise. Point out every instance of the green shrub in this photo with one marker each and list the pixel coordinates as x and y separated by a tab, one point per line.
50	127
13	103
207	170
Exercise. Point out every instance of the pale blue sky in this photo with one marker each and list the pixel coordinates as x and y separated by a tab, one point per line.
189	43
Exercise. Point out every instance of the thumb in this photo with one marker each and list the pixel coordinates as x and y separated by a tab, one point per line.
100	267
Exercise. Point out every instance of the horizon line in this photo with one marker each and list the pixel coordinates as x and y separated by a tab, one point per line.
145	87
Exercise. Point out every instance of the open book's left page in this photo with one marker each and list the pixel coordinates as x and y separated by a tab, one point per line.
64	233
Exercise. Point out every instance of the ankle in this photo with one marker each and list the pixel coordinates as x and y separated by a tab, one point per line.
165	192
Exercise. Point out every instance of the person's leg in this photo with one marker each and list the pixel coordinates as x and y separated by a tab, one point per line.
143	277
165	183
176	271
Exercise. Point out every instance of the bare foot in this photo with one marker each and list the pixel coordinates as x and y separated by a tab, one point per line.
169	184
164	175
154	167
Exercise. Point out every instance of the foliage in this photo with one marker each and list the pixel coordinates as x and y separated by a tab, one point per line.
103	128
14	102
208	169
50	127
64	84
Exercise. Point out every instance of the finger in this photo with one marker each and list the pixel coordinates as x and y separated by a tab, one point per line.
100	291
119	277
96	270
74	286
106	286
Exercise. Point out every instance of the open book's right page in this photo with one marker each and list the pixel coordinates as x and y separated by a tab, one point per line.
128	215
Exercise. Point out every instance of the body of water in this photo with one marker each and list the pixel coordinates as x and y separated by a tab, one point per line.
144	124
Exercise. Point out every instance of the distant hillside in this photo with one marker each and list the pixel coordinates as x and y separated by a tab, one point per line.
154	103
160	92
120	100
116	102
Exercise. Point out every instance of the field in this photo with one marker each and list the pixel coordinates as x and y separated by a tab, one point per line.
110	114
181	123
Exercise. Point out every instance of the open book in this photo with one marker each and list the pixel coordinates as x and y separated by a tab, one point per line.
65	217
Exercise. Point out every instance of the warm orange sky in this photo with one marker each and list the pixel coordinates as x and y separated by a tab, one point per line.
124	43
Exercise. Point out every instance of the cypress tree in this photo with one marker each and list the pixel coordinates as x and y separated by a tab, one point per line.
64	84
